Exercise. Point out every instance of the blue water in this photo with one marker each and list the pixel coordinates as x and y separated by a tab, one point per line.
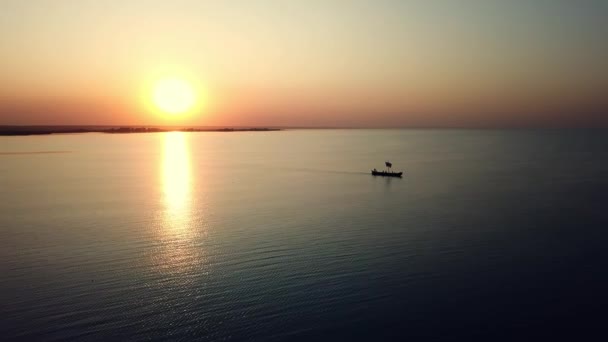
490	235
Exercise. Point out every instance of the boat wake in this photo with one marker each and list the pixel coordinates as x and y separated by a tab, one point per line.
323	171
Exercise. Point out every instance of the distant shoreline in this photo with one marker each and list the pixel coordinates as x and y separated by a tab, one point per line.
16	130
47	130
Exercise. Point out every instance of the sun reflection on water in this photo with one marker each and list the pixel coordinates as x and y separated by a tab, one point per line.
178	255
176	179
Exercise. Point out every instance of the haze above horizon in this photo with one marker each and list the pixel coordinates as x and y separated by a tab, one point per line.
315	63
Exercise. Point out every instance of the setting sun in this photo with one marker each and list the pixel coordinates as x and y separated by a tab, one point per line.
173	96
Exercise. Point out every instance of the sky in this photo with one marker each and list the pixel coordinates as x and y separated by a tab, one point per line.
314	63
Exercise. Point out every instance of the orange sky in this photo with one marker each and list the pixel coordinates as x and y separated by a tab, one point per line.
313	63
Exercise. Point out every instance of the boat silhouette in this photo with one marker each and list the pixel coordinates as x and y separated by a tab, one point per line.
387	173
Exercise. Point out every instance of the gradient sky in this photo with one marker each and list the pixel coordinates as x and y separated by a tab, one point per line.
351	63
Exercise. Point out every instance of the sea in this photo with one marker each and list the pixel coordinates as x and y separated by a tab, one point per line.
286	236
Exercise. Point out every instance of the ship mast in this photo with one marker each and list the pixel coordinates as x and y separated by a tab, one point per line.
389	165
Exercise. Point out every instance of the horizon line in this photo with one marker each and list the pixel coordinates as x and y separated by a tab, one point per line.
490	127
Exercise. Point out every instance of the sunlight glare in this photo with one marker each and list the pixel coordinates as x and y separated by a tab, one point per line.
176	255
173	96
176	176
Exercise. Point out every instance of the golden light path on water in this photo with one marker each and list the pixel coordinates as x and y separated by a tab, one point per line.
176	179
179	254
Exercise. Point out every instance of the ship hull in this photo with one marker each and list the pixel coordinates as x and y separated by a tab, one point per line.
387	174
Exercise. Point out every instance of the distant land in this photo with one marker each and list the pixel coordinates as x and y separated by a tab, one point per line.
41	130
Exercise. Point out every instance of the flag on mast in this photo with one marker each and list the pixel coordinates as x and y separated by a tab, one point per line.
388	164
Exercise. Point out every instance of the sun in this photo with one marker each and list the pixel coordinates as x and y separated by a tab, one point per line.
173	96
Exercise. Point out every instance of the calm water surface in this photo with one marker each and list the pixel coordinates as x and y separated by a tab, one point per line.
500	235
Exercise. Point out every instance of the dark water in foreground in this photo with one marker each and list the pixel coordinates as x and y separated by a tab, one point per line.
499	235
